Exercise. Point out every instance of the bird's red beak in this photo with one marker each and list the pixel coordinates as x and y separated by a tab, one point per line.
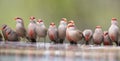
15	18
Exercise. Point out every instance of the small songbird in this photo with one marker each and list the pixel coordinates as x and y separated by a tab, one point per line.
41	29
98	35
12	35
62	30
87	34
20	28
53	33
4	29
31	29
107	40
72	34
113	31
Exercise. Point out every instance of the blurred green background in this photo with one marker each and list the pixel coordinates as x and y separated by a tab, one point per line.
85	13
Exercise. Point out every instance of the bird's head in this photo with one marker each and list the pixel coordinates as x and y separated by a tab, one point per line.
17	18
3	26
64	20
114	21
39	20
52	24
32	18
98	27
72	22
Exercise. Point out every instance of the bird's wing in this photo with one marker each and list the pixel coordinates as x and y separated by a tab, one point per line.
79	34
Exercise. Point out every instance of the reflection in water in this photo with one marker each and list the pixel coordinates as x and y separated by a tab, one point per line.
65	52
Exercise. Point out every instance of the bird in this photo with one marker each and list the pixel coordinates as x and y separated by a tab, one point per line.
53	33
62	30
20	28
107	40
72	34
113	31
41	29
87	34
98	35
4	29
32	30
12	35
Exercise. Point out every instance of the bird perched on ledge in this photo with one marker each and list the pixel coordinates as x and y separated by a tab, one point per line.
4	29
107	40
87	34
98	35
20	28
113	31
41	29
53	33
62	30
32	29
72	34
12	35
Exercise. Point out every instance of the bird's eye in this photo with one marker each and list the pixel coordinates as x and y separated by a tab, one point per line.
39	20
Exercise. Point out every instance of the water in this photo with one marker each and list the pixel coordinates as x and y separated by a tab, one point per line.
51	52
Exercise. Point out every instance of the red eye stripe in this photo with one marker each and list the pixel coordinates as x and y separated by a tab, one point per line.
17	18
32	17
40	20
114	19
52	24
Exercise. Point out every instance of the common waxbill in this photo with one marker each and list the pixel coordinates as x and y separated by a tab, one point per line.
72	34
113	31
32	29
20	28
41	29
62	30
87	34
53	33
107	40
98	35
